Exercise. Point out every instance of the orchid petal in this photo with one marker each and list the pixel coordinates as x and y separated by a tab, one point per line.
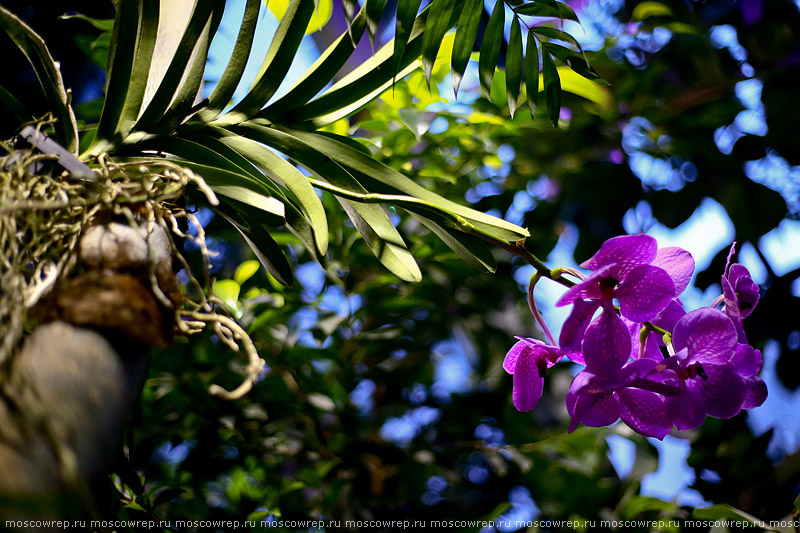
645	292
747	360
724	391
707	334
678	263
586	289
528	384
626	251
645	412
732	309
573	329
745	288
607	344
756	393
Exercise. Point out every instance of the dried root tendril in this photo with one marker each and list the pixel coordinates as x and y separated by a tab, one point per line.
43	216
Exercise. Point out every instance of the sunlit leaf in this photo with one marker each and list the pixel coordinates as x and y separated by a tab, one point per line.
490	47
514	65
179	65
320	17
645	10
245	271
227	290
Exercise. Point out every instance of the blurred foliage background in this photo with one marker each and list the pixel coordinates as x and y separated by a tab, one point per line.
387	400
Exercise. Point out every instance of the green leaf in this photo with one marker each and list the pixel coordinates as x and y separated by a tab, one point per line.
555	33
490	47
650	9
101	24
180	63
406	13
48	74
223	92
227	290
470	249
532	73
374	9
573	60
382	239
321	72
280	55
326	146
264	247
15	106
145	48
514	65
552	88
241	188
126	29
726	512
190	90
245	271
371	221
466	33
547	9
438	23
282	171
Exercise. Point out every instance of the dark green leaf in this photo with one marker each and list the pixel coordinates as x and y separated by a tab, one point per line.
374	9
466	33
282	51
47	72
532	73
555	33
514	65
321	72
406	13
265	248
572	59
366	165
490	47
15	106
547	9
470	249
233	71
552	88
439	15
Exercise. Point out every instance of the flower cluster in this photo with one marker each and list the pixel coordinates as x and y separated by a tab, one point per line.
647	361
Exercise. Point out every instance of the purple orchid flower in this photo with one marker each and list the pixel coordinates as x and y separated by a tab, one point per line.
653	341
609	389
714	375
527	361
633	270
740	294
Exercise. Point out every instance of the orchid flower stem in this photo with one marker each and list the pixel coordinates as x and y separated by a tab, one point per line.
535	312
719	300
